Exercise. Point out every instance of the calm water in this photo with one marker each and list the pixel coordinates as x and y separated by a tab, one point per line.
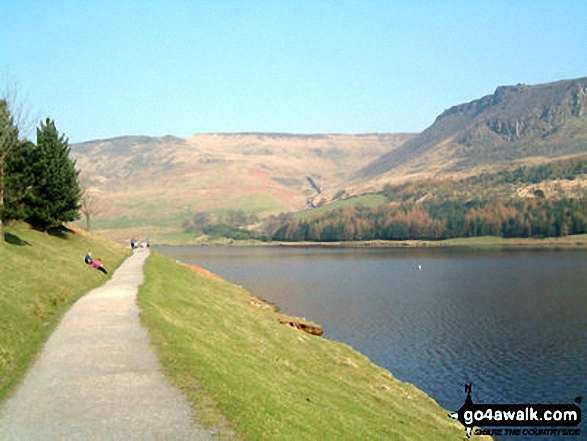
512	322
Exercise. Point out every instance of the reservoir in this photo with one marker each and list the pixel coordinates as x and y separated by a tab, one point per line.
512	322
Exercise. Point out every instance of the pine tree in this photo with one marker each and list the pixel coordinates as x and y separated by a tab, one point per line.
55	193
17	180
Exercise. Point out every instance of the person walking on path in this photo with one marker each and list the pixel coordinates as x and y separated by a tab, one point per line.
97	377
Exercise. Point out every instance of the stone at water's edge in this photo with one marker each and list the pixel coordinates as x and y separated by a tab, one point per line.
310	329
288	321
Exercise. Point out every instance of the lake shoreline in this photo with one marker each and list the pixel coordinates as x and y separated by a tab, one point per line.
566	242
288	381
435	317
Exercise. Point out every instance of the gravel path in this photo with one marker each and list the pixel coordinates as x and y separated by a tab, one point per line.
97	377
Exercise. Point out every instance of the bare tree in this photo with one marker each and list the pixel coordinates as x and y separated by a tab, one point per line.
15	124
7	135
88	202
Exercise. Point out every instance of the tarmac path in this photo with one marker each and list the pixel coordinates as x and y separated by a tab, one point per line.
97	377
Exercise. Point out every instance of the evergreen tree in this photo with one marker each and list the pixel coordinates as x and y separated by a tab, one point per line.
55	193
17	180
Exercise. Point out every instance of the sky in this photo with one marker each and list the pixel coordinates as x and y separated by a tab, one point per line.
102	69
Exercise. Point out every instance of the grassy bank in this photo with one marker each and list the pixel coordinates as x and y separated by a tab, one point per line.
574	241
41	276
233	359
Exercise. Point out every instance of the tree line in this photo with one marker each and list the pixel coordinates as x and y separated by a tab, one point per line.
38	181
227	224
436	220
500	184
568	169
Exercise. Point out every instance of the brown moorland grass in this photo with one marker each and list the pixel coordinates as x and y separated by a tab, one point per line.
148	181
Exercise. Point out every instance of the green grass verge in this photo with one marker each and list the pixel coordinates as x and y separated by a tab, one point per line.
235	361
575	241
41	276
369	200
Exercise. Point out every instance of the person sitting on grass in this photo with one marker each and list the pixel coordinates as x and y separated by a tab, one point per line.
97	263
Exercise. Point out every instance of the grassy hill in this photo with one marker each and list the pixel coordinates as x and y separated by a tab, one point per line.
41	276
228	353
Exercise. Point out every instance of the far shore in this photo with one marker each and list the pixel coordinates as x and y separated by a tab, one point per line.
565	242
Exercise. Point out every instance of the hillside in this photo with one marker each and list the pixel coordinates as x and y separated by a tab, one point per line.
516	122
41	276
149	186
144	186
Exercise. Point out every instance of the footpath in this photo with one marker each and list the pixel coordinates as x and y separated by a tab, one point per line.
97	377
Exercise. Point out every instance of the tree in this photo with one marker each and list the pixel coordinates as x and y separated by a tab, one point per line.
15	121
55	194
8	139
17	181
88	202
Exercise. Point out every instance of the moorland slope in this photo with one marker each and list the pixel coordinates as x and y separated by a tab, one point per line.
150	186
159	182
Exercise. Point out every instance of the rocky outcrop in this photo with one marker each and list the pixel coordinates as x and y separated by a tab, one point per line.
544	110
310	329
293	322
514	122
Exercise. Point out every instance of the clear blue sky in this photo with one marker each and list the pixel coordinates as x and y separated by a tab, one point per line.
110	68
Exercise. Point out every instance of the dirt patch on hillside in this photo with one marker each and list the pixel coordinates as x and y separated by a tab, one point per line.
201	271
